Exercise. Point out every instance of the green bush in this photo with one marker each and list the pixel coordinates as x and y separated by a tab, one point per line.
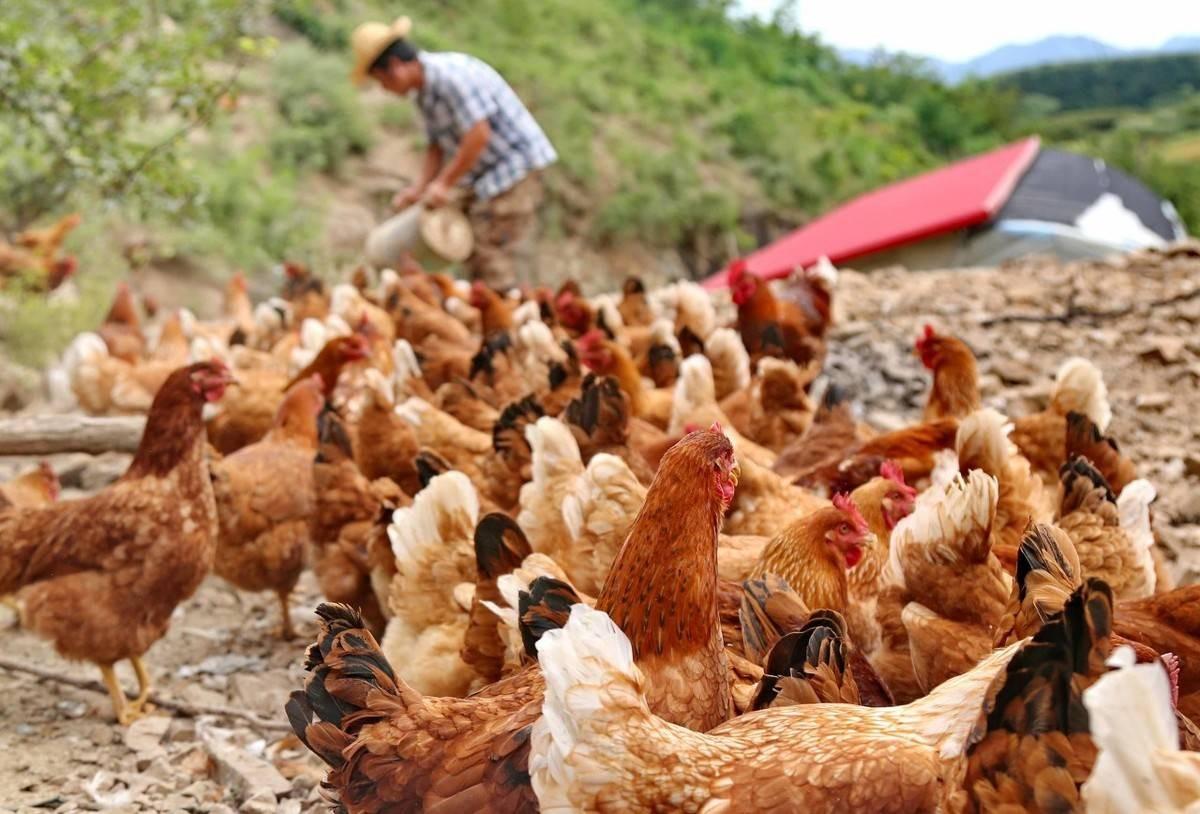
323	121
245	211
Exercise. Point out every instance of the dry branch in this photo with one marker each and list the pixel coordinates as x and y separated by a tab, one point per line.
54	434
185	709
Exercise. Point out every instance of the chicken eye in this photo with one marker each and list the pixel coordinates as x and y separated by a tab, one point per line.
845	528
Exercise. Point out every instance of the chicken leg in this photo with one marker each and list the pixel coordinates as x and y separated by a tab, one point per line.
286	631
138	705
124	712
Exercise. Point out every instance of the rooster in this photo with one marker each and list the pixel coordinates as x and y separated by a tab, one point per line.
772	326
474	751
101	576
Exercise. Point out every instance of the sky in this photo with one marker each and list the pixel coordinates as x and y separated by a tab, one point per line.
957	30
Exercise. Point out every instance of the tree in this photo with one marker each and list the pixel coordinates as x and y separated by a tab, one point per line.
98	96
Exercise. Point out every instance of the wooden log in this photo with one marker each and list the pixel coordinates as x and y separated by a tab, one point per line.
55	434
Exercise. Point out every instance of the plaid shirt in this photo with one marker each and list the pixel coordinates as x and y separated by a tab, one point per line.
460	91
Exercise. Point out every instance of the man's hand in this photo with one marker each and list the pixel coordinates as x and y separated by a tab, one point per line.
436	195
407	197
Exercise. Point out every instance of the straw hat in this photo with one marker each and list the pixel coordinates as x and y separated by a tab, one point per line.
369	41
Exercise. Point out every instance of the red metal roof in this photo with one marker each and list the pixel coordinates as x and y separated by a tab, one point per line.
962	194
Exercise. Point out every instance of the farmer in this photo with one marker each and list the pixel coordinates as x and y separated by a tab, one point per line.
479	136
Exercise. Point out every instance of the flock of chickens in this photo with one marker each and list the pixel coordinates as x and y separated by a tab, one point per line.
629	553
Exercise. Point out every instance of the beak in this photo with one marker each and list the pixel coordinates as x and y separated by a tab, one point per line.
735	472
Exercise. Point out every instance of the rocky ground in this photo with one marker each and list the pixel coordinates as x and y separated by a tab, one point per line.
1138	318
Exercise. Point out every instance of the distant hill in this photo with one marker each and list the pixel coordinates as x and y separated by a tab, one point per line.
1052	50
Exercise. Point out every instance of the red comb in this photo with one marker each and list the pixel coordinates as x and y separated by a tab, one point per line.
737	269
1171	662
929	333
844	504
716	427
892	471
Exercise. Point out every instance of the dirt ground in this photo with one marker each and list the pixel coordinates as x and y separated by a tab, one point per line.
63	753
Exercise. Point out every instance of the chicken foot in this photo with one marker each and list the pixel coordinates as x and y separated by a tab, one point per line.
121	708
138	705
127	711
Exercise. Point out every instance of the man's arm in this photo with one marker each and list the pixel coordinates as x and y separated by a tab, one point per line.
472	145
429	171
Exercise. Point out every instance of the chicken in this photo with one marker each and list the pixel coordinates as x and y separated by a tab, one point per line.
955	391
434	553
774	410
982	443
385	446
600	747
600	420
769	325
607	358
463	448
957	591
1113	541
122	327
1084	439
1037	749
813	554
1042	437
1049	571
578	516
46	242
101	576
496	312
809	666
345	517
33	489
265	496
1139	765
635	309
730	363
500	547
36	253
462	401
694	403
474	752
765	503
247	413
884	501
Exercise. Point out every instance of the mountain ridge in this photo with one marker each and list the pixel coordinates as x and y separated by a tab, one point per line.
1057	48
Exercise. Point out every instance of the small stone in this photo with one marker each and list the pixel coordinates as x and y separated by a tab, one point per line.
262	802
289	807
71	709
1011	371
239	770
264	693
1167	349
1152	401
144	736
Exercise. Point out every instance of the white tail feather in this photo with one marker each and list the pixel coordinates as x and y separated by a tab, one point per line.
943	519
1079	386
730	361
694	389
592	685
982	440
1133	725
1133	508
694	309
447	508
